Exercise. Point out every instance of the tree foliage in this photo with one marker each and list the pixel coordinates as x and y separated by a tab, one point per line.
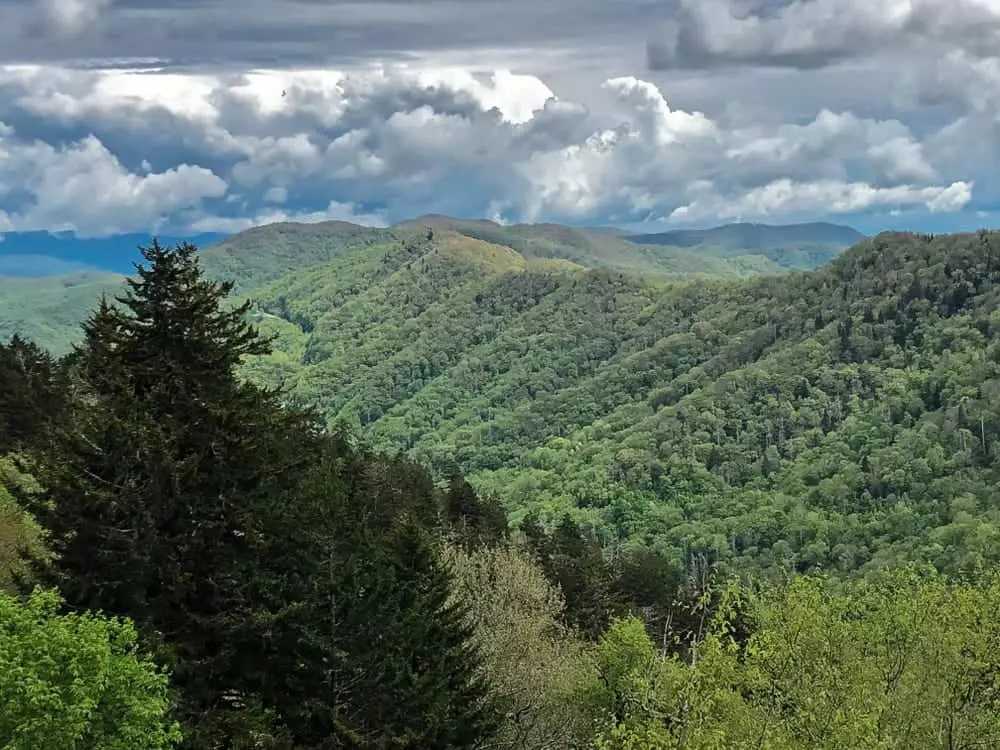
899	661
309	592
839	419
216	517
532	661
77	682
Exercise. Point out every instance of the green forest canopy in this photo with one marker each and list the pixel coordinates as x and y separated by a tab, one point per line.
840	419
49	310
304	592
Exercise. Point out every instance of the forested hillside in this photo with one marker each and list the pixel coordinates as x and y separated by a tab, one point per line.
49	310
609	248
188	560
842	419
47	305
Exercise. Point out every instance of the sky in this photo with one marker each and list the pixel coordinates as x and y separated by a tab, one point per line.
210	116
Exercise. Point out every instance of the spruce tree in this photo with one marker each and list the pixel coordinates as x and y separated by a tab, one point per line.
32	393
575	563
156	482
423	690
474	520
364	651
287	580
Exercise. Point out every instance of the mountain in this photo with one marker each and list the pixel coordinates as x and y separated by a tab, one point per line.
601	248
803	246
33	265
264	254
841	419
747	236
49	310
49	283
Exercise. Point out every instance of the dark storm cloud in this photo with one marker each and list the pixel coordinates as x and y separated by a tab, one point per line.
809	34
300	31
762	108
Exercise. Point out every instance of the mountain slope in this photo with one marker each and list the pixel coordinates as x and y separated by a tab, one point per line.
802	246
49	310
841	419
33	266
265	254
600	248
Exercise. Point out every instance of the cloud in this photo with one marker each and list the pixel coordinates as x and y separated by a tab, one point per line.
71	17
101	151
785	197
82	187
333	212
320	33
812	33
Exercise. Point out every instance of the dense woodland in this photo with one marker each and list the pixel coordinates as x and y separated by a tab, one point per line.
842	419
430	492
47	309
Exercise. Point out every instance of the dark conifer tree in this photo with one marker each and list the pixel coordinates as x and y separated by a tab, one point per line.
475	520
417	686
32	393
363	649
156	481
286	578
575	563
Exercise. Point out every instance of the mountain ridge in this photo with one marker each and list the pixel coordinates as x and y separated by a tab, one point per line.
117	254
839	419
701	416
758	235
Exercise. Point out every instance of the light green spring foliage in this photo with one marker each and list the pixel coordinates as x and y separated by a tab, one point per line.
22	541
534	664
75	682
841	420
904	661
845	419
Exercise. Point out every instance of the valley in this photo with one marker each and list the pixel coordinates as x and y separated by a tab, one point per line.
840	419
837	419
499	375
693	471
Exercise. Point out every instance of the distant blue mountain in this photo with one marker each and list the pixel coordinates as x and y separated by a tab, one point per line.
800	246
33	266
38	254
746	236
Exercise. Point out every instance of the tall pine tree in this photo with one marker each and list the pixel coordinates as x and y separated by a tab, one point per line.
361	649
32	393
156	480
287	579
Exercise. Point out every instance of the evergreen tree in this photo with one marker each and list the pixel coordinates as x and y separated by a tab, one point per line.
575	564
475	520
421	687
360	647
285	578
32	393
156	482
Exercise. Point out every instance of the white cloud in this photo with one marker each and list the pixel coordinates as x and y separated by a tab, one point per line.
82	187
160	148
334	212
785	197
